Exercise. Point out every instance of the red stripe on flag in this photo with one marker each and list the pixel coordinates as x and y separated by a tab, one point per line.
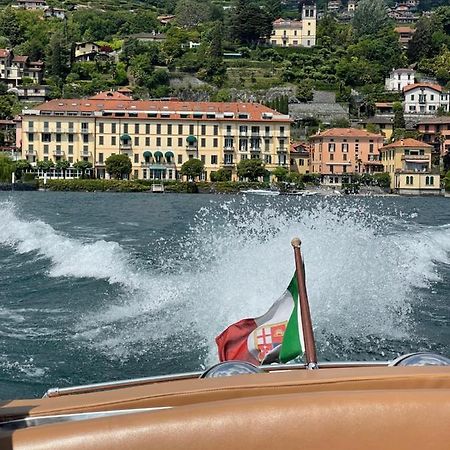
232	342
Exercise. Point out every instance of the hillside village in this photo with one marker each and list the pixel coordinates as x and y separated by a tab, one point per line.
330	91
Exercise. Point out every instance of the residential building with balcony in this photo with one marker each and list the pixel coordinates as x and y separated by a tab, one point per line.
339	153
300	154
425	99
296	33
158	136
409	163
399	79
14	69
435	131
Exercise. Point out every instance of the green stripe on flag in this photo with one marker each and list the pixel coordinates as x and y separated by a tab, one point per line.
291	346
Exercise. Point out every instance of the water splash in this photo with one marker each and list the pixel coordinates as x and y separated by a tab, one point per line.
364	267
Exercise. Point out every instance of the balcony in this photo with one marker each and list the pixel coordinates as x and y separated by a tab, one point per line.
86	153
125	146
416	158
58	153
85	130
228	148
192	147
228	163
282	150
243	133
255	149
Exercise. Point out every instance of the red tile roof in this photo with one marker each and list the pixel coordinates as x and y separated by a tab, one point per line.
407	143
405	30
117	102
19	58
436	87
347	132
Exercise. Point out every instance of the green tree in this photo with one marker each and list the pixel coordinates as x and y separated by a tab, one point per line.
252	169
280	173
421	43
83	166
370	18
6	168
191	13
62	165
20	167
45	165
399	117
305	91
221	175
249	22
192	168
10	26
58	56
118	166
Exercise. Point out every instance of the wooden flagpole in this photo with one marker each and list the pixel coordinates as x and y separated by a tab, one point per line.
308	333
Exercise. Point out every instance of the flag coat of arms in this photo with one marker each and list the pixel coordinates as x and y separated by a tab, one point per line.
278	330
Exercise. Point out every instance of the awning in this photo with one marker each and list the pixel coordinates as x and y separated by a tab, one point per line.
147	154
191	139
416	161
125	137
158	154
169	155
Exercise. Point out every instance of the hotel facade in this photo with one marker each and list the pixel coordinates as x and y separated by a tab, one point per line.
409	163
340	152
158	136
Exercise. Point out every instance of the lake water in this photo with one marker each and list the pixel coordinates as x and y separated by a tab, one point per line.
98	286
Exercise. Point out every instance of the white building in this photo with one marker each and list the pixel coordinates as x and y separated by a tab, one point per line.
399	79
32	4
424	98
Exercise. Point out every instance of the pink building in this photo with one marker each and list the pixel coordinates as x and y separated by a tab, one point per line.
340	152
436	132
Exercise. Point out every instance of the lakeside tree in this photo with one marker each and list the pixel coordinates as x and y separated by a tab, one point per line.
221	175
20	167
62	165
370	18
45	165
192	169
83	166
118	166
6	168
252	169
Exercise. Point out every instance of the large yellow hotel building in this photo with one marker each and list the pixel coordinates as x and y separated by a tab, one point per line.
157	135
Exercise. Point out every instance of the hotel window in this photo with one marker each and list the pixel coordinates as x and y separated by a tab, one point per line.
101	127
345	148
203	142
45	126
332	157
30	125
169	142
100	140
215	142
58	137
216	130
125	128
203	159
70	149
203	130
136	141
180	129
213	159
191	129
45	149
136	173
267	145
431	97
58	126
30	137
268	131
180	142
331	147
70	138
70	159
180	159
144	173
147	128
158	128
147	141
113	140
113	128
84	127
371	148
243	129
46	137
255	130
85	138
136	158
136	128
169	128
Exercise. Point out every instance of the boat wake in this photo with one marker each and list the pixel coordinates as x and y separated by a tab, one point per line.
366	269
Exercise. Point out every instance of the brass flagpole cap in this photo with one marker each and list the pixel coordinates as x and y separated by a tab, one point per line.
296	242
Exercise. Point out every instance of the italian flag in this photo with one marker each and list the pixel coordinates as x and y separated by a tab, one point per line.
276	335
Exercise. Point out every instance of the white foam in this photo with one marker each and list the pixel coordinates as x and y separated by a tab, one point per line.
363	271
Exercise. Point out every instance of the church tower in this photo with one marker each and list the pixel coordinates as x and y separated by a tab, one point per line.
309	24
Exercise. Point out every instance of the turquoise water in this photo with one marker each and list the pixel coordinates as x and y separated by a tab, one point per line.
98	286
